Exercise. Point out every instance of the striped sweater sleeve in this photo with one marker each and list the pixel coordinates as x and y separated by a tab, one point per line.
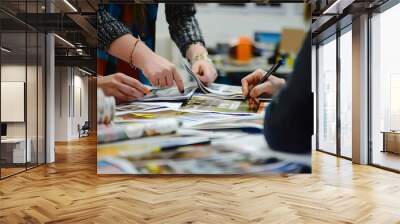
108	28
183	26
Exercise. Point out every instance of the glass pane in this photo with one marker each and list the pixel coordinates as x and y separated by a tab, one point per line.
32	87
327	97
314	90
346	94
31	98
13	86
41	99
385	84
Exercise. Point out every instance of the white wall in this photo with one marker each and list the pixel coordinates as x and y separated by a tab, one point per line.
80	110
34	125
70	83
62	81
221	24
12	73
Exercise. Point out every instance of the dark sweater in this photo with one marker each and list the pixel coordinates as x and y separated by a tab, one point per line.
289	117
183	26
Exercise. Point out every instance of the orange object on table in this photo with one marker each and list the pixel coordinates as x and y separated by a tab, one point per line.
244	49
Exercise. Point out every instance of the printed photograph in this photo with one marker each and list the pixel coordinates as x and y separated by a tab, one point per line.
202	111
184	89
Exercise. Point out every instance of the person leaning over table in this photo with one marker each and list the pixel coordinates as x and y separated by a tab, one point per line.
288	124
136	47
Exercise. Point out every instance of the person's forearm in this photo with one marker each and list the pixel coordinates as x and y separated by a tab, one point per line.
122	47
125	49
195	50
183	26
108	29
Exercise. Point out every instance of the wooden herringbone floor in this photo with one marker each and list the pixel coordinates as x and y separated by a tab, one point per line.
69	191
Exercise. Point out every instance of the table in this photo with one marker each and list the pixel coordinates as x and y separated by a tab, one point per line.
391	141
224	144
13	150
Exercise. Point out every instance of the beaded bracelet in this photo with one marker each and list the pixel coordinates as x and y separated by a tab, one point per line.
202	56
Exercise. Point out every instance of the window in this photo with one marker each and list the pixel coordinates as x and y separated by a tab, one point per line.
346	75
327	96
22	77
385	89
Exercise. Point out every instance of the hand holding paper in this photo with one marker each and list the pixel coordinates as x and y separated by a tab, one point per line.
205	71
122	87
161	72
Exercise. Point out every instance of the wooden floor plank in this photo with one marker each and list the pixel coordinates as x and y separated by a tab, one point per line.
70	191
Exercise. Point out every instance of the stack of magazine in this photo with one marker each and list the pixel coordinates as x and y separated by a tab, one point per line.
231	92
105	107
220	91
202	131
177	154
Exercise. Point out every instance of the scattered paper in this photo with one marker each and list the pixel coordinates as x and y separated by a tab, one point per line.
169	94
217	89
213	132
210	104
135	107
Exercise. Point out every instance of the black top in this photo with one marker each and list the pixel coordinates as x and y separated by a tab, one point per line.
288	123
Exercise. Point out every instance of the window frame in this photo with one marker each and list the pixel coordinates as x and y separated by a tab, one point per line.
31	30
339	29
333	37
378	10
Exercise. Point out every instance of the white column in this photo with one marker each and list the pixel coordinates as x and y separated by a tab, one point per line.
63	108
360	90
50	100
50	92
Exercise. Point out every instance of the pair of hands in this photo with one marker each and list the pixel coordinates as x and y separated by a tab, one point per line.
159	71
253	90
162	73
124	88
